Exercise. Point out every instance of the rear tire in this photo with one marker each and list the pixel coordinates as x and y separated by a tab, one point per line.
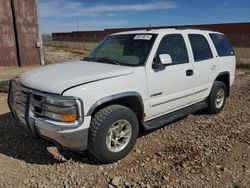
113	133
217	98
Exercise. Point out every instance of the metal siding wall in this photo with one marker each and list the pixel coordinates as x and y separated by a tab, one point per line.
27	31
238	33
8	55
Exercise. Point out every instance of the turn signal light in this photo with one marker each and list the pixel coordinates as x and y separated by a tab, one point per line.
69	117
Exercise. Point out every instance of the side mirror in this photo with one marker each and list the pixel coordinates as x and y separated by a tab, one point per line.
165	59
162	61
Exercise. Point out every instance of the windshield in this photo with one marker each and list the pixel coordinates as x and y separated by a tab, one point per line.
128	49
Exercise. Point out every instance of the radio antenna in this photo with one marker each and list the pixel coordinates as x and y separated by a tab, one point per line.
149	27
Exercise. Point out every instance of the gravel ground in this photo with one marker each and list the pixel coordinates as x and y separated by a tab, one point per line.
197	151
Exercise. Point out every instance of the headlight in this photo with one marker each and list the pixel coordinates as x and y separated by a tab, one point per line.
60	102
57	108
61	113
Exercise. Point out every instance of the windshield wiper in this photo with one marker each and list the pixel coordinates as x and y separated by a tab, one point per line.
109	60
89	59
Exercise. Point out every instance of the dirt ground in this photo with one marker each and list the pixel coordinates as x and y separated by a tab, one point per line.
243	57
197	151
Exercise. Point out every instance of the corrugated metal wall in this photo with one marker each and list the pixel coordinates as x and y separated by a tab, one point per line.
8	55
18	33
238	33
27	31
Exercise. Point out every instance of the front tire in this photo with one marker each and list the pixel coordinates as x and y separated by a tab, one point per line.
217	98
113	133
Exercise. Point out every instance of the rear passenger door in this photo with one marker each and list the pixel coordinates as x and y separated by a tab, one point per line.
204	65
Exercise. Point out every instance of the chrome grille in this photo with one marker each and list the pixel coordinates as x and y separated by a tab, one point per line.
30	105
18	100
36	105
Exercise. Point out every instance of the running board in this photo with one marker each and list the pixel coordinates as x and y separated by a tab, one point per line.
173	116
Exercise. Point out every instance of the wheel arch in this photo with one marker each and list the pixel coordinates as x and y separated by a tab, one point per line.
132	100
225	78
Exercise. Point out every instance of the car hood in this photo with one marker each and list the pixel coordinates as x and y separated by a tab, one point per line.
59	77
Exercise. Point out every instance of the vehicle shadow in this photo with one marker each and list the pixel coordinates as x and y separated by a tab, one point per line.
16	142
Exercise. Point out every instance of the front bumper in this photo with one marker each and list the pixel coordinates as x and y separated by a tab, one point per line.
71	138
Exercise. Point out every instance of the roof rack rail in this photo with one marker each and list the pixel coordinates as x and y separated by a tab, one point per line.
197	28
182	27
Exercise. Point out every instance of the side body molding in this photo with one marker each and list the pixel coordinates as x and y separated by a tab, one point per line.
115	97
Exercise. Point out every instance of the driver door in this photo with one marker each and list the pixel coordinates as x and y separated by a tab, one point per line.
170	88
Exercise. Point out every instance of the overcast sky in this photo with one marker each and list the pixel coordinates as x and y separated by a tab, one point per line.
71	15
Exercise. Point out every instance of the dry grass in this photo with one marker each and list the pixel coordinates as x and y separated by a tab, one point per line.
243	57
59	55
52	55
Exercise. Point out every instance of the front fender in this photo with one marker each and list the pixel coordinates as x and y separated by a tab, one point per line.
115	97
99	92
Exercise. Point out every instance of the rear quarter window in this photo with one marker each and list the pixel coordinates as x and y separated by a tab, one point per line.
222	45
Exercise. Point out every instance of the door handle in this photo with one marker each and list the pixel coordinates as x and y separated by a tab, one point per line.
189	72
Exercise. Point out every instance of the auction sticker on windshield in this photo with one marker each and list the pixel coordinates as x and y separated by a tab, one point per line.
143	37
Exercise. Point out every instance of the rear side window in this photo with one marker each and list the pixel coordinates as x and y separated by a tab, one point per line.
174	45
222	45
200	47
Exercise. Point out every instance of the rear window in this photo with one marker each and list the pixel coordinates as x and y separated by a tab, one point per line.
200	47
222	45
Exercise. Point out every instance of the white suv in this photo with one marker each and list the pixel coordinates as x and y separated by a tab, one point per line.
132	80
